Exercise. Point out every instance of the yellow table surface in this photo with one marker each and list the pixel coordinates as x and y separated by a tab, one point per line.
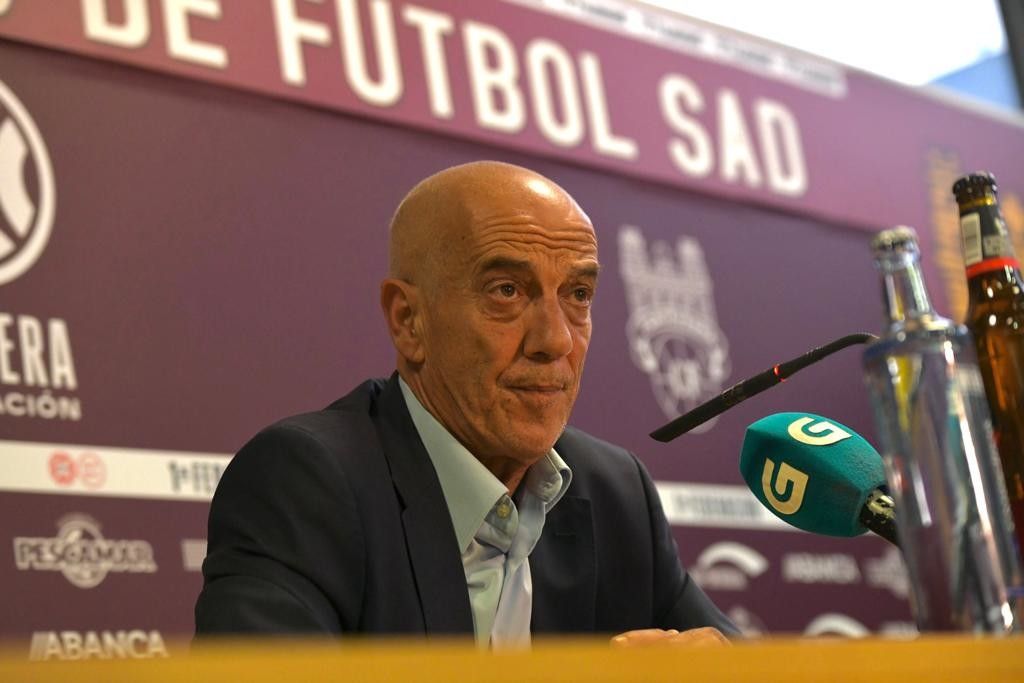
927	659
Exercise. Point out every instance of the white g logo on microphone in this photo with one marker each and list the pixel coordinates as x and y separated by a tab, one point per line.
786	495
823	433
784	486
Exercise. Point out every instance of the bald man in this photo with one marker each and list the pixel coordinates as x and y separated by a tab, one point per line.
453	498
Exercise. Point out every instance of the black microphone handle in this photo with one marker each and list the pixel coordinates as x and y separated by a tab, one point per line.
753	386
879	516
737	393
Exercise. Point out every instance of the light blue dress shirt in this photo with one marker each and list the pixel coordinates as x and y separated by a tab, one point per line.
495	533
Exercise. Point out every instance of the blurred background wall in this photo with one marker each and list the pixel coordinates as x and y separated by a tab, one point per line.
195	196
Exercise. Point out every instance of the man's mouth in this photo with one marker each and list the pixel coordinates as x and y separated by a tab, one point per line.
540	387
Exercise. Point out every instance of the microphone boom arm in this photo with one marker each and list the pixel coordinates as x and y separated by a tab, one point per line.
741	391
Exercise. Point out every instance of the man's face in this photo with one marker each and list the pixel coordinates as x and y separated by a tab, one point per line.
507	327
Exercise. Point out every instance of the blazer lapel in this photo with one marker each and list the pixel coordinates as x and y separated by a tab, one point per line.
429	535
564	570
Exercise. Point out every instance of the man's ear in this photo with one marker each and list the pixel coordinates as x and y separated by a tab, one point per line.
400	301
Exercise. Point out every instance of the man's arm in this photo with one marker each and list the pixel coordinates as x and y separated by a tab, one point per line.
679	602
285	545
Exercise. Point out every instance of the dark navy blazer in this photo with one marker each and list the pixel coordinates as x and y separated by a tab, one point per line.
334	522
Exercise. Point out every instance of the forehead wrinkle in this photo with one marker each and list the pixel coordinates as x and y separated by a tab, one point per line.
584	267
498	259
572	220
502	253
552	238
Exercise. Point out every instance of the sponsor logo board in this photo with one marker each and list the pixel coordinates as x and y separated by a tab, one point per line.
818	568
832	623
75	645
888	572
898	628
88	468
80	552
107	471
37	369
728	566
716	505
694	37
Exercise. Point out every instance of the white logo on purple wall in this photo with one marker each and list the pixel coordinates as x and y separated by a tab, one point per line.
728	566
889	572
834	624
75	645
81	553
673	328
27	194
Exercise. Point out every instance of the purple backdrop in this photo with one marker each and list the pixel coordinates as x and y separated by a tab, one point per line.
214	260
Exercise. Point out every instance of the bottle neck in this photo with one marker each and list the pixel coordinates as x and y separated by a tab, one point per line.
987	247
906	298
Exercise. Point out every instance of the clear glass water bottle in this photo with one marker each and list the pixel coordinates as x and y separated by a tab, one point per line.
952	514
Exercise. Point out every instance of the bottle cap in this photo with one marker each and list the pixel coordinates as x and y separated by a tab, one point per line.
899	237
974	185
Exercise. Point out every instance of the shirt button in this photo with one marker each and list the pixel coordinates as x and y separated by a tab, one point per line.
504	510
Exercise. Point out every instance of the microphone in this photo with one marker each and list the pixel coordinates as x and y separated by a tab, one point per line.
818	475
740	392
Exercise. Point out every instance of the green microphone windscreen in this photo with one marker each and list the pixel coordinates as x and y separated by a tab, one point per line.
813	473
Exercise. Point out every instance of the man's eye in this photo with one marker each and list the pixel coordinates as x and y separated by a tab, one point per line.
507	290
582	294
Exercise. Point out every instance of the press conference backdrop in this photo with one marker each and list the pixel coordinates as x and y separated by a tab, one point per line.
195	198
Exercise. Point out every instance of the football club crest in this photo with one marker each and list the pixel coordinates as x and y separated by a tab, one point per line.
672	328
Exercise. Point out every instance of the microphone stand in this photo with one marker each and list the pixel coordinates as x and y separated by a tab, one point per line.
755	385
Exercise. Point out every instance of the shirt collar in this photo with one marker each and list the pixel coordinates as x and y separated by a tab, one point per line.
548	479
470	490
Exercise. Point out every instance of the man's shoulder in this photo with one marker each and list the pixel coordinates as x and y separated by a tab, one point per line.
352	411
343	432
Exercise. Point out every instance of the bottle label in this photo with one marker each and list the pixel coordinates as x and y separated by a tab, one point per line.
970	227
986	241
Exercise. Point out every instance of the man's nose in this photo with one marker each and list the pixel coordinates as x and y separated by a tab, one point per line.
549	333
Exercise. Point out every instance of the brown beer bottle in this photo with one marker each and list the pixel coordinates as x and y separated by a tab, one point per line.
995	316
